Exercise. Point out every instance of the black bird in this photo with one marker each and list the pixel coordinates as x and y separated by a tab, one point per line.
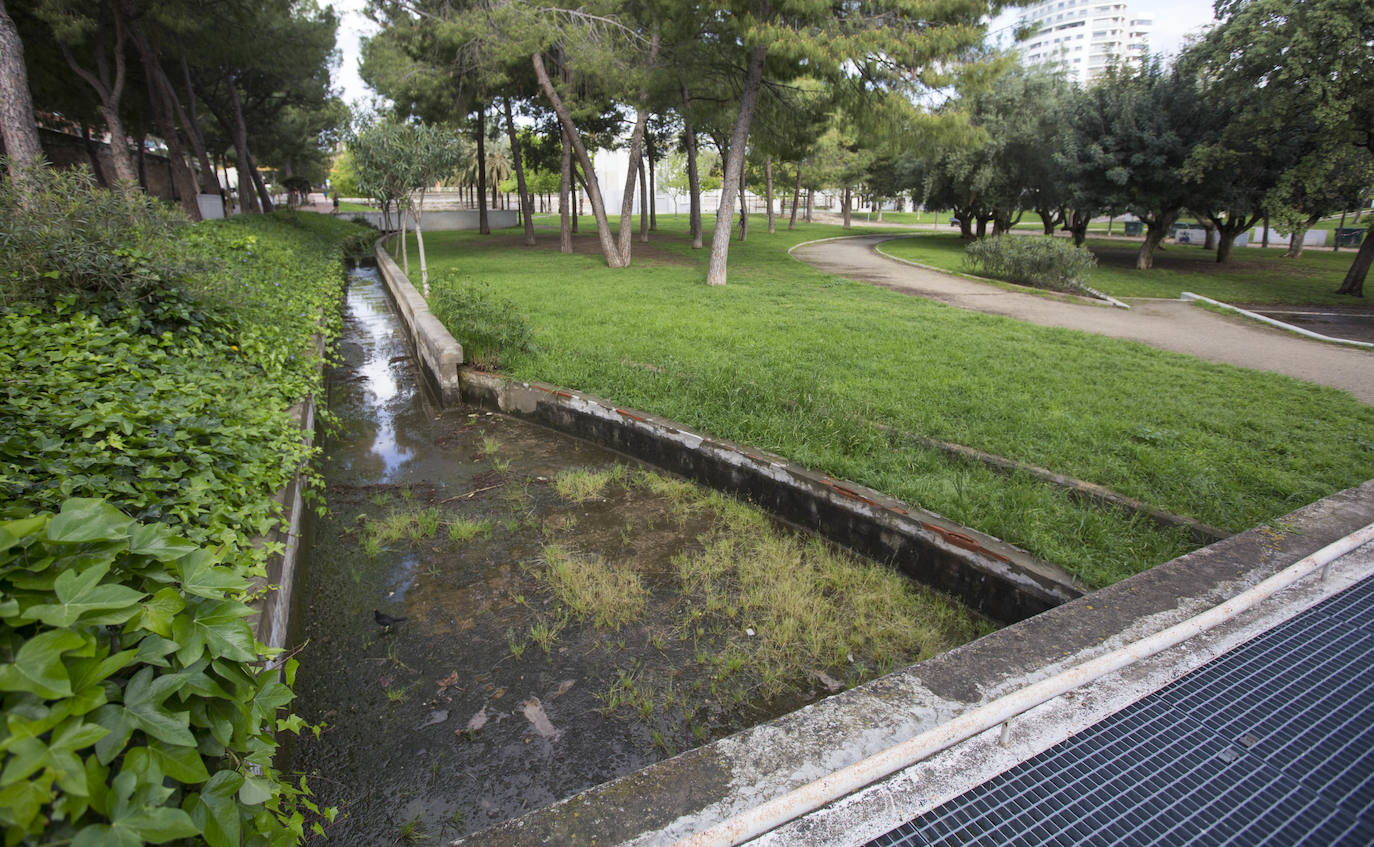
385	620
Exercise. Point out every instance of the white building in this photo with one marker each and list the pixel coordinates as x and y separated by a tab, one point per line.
1084	37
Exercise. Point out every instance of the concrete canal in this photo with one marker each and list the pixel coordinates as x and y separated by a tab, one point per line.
496	616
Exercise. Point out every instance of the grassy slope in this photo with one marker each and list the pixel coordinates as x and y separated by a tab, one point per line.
793	361
1252	276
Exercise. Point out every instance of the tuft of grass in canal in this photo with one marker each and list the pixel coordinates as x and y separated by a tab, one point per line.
582	484
755	612
807	365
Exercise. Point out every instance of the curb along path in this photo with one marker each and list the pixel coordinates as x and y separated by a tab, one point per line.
1171	325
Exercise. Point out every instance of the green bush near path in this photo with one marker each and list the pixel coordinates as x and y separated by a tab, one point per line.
807	365
1253	275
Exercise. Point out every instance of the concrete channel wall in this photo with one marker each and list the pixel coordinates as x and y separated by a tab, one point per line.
999	580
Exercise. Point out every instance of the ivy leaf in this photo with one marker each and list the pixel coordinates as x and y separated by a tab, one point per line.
158	613
183	764
84	519
216	812
156	825
143	699
158	542
221	626
255	791
201	576
38	666
82	594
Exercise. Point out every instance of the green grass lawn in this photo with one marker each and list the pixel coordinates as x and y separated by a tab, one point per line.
804	364
1253	275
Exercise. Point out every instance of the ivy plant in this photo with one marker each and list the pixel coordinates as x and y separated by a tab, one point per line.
138	708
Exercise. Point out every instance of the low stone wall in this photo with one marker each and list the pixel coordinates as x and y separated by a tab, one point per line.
446	220
438	353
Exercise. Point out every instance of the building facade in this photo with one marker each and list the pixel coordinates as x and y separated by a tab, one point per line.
1085	37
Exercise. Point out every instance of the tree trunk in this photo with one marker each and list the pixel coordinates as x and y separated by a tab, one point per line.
110	90
743	208
93	154
643	204
1265	243
1295	241
1336	240
483	224
526	202
653	196
768	191
1353	284
401	215
209	180
844	207
141	159
420	242
564	196
1210	242
20	130
796	195
734	168
161	102
1155	232
260	185
810	203
603	230
248	199
633	174
693	176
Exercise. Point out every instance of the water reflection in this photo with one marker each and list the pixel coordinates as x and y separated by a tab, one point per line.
368	306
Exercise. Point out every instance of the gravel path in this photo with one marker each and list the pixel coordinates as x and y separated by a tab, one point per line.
1166	324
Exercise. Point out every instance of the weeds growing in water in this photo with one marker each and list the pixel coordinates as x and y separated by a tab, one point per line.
490	446
610	594
410	832
412	526
545	632
464	529
582	484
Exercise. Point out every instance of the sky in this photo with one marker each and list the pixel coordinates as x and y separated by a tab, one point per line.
1174	19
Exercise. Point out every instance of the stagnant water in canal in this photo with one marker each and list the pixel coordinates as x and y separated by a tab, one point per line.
491	698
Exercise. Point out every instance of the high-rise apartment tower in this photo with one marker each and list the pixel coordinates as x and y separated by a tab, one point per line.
1084	37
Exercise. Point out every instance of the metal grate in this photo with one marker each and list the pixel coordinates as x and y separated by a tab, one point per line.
1272	743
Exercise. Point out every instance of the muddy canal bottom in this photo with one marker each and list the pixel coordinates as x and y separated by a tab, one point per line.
496	616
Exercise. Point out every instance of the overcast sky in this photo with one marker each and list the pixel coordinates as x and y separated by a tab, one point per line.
1174	19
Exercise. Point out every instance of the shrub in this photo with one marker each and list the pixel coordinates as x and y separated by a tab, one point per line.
137	708
70	237
1041	261
488	326
187	427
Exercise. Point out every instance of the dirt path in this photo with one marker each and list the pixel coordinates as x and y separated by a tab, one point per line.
1166	324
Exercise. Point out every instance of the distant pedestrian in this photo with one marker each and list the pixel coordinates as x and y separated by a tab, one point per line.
336	202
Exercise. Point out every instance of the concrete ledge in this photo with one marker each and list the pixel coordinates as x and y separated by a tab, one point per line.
686	794
1255	316
446	220
999	580
439	354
